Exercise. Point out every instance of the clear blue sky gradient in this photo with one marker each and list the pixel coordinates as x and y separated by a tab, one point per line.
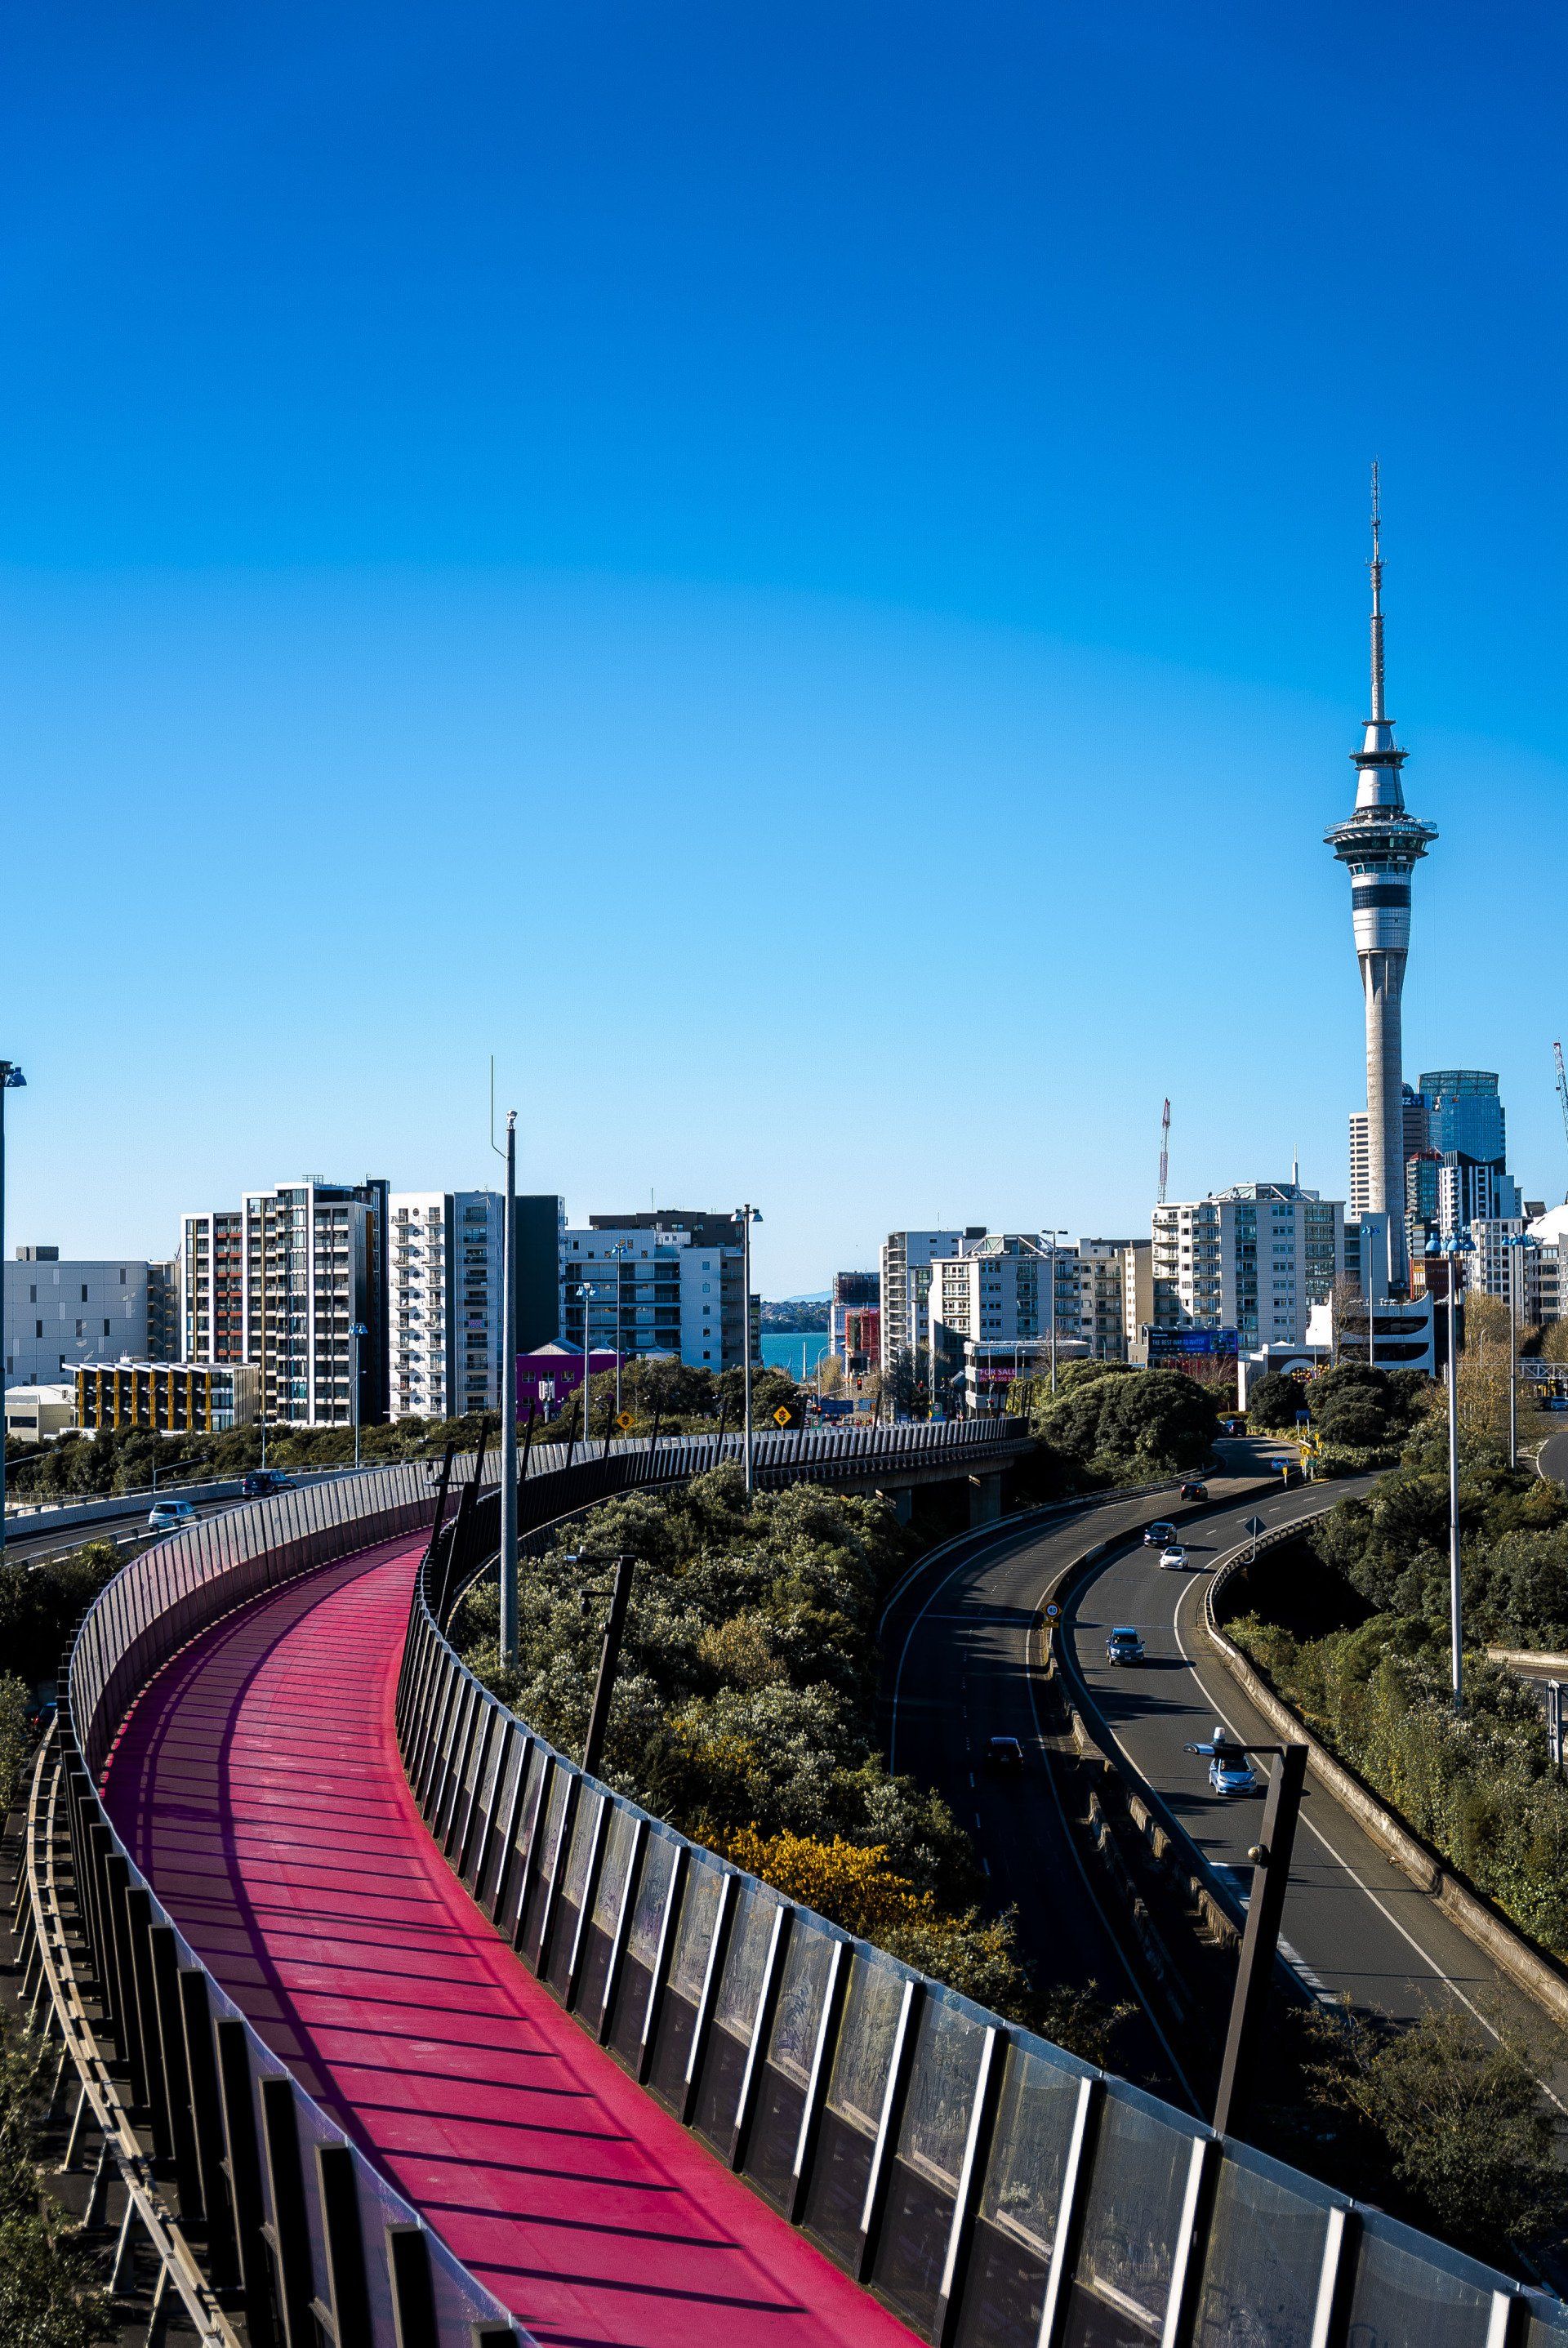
794	572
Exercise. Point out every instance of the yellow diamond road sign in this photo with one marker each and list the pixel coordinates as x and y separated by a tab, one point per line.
780	1417
625	1420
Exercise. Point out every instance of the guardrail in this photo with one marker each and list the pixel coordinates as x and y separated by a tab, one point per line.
989	2188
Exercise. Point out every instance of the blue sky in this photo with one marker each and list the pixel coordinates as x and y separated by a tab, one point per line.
794	572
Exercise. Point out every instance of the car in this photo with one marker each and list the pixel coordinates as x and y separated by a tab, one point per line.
1158	1536
1174	1556
1230	1772
168	1516
1123	1645
1193	1491
1005	1755
262	1480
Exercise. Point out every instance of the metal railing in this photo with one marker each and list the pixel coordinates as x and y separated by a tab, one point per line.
990	2188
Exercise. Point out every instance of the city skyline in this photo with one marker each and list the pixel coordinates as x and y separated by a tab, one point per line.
912	512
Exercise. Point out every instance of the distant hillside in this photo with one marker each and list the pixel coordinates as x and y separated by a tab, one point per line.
806	1317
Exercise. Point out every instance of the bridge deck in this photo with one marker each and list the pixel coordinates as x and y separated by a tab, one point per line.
258	1783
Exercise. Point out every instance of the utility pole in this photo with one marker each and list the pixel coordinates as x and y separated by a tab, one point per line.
749	1215
509	1401
11	1079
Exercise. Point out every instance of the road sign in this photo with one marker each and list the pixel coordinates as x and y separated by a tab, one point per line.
780	1417
1052	1611
1254	1525
624	1421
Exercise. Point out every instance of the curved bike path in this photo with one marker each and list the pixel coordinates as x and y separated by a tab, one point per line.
258	1783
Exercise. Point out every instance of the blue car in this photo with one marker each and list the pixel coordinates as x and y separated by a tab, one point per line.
1232	1773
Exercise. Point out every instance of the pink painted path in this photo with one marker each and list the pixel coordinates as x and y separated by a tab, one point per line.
258	1783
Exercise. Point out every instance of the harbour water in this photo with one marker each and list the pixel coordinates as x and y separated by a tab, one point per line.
798	1354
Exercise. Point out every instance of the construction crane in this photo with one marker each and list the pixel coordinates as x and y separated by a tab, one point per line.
1561	1084
1165	1137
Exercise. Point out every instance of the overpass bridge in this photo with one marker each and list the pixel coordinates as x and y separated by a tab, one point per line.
398	2032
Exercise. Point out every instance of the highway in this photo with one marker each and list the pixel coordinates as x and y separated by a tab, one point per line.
959	1643
960	1648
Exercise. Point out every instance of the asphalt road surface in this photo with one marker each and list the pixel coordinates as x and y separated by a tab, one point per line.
959	1645
1553	1458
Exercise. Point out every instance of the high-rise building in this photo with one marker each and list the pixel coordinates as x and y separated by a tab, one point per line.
315	1269
1465	1115
444	1297
212	1286
1255	1258
856	1293
905	1266
1416	1141
1381	844
58	1313
670	1280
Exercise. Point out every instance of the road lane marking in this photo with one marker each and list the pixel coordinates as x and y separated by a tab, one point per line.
1338	1857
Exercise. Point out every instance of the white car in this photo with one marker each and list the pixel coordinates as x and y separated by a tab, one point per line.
1232	1773
1175	1557
168	1516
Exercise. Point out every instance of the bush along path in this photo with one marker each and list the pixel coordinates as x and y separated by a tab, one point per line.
745	1711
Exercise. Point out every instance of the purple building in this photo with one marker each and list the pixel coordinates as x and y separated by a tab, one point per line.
550	1377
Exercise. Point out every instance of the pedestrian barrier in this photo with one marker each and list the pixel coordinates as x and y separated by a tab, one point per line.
990	2188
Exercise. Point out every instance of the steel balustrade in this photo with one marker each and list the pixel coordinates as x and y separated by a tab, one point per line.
991	2189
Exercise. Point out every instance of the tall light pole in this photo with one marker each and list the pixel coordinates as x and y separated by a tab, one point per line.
1452	1252
749	1215
1513	1243
509	1400
356	1331
618	1252
11	1080
1057	1231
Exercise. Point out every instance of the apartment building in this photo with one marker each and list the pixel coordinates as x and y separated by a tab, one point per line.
670	1280
905	1264
444	1303
850	1335
212	1279
1091	1279
314	1270
1255	1258
168	1397
61	1312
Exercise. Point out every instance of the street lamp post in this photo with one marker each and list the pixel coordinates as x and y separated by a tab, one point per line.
1059	1232
749	1215
509	1401
586	1292
618	1252
1513	1243
356	1331
1452	1252
11	1080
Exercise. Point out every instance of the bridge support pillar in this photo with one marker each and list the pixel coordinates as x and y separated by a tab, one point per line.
984	1500
902	1503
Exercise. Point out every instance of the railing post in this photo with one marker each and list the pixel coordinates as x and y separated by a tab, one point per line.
164	1954
1070	2208
291	2224
761	2029
513	1821
880	2176
342	2230
834	1993
475	1810
207	2119
127	2016
623	1932
971	2176
246	2179
412	2294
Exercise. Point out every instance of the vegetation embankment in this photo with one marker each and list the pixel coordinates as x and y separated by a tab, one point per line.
1361	1417
1109	1423
50	2296
39	1604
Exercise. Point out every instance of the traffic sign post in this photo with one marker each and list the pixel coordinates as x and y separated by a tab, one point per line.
1256	1527
780	1417
1260	1941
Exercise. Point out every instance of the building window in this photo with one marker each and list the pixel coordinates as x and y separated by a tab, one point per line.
105	1328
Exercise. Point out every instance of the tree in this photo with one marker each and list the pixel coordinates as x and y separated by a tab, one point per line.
1274	1401
1153	1421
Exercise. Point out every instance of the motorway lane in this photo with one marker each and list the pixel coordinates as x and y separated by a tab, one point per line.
959	1663
1354	1923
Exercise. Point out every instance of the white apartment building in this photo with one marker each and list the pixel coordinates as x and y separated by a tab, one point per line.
444	1303
1091	1285
667	1282
58	1313
905	1262
212	1276
1255	1258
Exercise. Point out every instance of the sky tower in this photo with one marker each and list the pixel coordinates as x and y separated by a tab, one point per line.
1381	843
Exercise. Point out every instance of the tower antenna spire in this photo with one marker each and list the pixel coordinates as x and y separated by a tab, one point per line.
1375	567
